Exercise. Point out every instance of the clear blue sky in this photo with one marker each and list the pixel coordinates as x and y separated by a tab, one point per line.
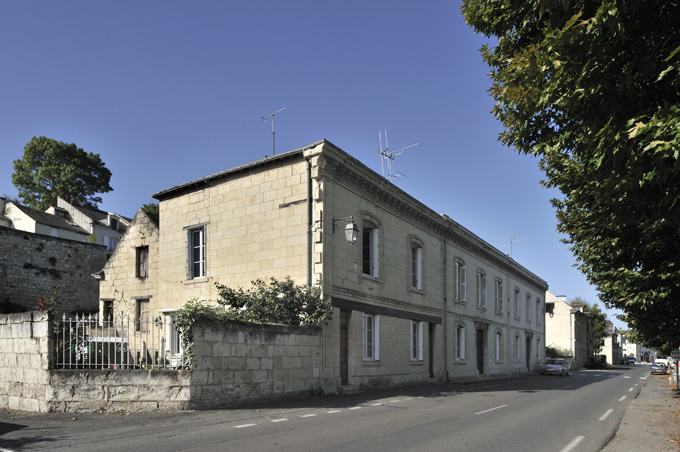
169	91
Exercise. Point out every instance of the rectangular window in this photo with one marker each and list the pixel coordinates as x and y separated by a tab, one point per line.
416	341
197	253
481	283
107	310
460	342
460	281
499	296
517	348
371	337
518	305
113	223
416	267
142	316
142	261
499	343
539	312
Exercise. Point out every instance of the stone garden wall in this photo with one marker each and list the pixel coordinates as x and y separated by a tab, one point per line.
233	365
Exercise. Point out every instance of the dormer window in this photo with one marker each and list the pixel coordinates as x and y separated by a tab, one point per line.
113	223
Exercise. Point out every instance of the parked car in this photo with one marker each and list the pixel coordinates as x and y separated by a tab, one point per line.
631	360
555	366
658	368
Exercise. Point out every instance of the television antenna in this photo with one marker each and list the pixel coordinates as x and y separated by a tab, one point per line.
386	154
513	239
273	129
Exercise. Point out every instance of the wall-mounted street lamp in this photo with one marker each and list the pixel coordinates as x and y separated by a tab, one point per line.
351	229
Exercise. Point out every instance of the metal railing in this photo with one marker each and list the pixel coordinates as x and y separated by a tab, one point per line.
87	342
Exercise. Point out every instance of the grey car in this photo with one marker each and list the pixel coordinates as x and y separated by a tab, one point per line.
555	366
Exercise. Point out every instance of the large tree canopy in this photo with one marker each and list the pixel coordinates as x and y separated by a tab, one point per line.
50	168
592	88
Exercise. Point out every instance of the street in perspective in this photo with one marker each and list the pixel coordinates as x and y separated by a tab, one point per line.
579	412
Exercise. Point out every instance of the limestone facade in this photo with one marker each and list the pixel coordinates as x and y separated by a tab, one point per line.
417	298
569	328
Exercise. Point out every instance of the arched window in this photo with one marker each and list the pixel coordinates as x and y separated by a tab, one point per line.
518	345
460	281
416	266
539	311
481	289
369	249
499	296
518	306
528	314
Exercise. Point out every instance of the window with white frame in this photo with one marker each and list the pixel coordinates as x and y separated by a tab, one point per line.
481	289
499	295
371	337
528	308
416	341
518	344
518	304
460	281
196	241
460	343
416	266
499	346
539	312
369	250
538	349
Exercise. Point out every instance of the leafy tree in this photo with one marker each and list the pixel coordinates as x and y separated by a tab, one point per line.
593	90
281	302
50	168
151	207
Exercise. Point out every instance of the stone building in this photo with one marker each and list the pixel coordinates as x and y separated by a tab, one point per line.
568	327
416	296
611	345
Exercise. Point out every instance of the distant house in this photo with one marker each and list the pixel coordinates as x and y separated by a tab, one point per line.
106	228
611	345
568	327
27	219
416	296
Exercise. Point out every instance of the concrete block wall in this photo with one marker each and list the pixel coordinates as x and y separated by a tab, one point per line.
239	363
32	263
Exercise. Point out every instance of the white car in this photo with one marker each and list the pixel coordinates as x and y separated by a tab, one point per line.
556	366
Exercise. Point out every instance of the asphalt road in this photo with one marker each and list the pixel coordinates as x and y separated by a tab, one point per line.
580	412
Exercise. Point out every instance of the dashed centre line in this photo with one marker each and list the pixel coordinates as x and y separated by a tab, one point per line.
492	409
572	445
622	399
605	415
244	425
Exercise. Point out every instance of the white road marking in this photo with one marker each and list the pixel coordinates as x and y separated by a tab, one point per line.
605	415
355	408
572	445
395	401
244	425
631	389
492	409
622	399
377	404
308	415
279	420
626	376
332	411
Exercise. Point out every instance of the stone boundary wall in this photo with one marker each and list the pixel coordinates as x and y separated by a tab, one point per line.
239	363
234	364
24	361
32	263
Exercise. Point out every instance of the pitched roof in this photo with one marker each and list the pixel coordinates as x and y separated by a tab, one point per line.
50	220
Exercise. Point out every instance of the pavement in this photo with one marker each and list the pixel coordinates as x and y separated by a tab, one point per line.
652	420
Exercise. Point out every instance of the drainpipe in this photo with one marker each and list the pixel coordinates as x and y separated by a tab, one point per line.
310	251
